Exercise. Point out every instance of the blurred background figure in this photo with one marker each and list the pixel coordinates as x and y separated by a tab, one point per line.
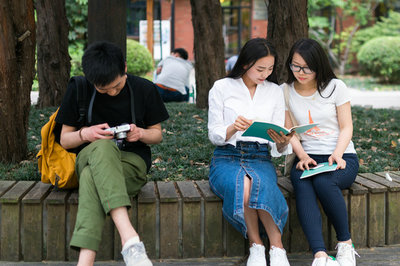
172	76
230	63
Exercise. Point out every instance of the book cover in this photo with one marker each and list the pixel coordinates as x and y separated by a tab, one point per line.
259	129
319	168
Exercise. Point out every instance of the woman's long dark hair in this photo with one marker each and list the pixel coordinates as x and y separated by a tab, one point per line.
316	60
253	50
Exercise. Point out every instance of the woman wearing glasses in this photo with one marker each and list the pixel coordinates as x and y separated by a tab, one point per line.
315	95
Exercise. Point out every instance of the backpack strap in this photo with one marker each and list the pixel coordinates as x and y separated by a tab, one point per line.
81	96
82	92
90	111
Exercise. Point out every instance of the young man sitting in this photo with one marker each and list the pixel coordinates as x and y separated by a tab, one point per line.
109	173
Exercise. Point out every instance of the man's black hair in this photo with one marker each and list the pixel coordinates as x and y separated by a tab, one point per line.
182	53
102	63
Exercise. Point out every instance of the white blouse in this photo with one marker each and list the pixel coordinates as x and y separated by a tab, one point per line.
229	98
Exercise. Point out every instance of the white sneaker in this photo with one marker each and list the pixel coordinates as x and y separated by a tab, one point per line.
277	257
346	255
257	256
134	253
325	261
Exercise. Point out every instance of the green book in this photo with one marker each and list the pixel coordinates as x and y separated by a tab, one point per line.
259	129
319	168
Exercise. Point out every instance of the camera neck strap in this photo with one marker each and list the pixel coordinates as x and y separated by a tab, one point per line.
90	110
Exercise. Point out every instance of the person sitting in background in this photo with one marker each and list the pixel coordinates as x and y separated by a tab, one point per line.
172	78
230	63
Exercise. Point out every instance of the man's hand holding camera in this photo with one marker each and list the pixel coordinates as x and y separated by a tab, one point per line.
130	132
135	134
90	134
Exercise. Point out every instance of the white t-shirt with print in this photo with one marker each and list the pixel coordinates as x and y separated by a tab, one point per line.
229	98
323	138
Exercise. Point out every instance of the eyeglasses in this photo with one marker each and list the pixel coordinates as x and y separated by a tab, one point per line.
306	70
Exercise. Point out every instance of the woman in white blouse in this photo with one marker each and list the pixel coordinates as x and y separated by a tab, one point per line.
241	172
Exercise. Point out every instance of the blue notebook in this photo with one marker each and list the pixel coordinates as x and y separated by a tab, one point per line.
319	168
259	129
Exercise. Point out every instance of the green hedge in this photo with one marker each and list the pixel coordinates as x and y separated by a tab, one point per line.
388	26
138	58
380	57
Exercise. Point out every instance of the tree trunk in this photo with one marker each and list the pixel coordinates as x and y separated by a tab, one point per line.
17	65
208	46
107	22
287	22
53	61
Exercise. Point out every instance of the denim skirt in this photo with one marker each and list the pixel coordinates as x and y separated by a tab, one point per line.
228	168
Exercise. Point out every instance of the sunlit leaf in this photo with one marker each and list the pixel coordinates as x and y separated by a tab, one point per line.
394	144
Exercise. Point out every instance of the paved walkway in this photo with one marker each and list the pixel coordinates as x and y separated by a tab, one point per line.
375	99
380	256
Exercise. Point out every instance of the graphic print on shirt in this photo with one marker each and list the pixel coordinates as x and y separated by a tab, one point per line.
315	132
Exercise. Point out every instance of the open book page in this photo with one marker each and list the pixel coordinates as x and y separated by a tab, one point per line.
319	168
259	129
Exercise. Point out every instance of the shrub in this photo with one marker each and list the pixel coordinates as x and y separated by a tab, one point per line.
388	26
138	58
380	57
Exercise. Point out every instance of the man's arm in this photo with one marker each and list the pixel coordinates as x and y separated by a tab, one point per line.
158	71
71	138
150	135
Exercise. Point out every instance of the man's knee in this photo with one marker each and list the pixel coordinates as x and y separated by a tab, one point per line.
85	177
104	144
103	147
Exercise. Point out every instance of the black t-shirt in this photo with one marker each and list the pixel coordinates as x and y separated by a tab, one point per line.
116	110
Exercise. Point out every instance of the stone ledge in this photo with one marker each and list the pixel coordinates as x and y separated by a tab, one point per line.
180	220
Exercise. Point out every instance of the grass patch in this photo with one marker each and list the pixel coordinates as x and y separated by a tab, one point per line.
185	152
368	83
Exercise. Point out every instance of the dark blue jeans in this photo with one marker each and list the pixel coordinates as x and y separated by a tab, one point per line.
327	187
173	96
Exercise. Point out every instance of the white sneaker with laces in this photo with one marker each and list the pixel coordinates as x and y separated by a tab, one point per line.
278	257
257	256
346	255
134	253
325	261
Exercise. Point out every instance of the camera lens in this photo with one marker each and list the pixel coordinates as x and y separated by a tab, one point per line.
121	135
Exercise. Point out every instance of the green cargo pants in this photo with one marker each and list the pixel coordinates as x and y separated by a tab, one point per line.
106	177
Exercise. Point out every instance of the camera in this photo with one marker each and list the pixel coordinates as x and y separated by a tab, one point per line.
120	131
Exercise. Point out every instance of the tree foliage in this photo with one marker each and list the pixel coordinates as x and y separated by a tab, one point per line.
387	26
328	19
380	57
77	14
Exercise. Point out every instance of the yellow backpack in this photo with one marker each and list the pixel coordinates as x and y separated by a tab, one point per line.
56	164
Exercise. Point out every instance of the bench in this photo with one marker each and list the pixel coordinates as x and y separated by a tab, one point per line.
180	219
